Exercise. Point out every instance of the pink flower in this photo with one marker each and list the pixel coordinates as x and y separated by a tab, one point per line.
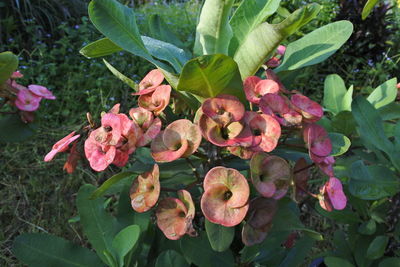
149	125
273	62
72	160
332	195
150	82
310	110
98	155
156	101
61	146
16	75
255	88
281	50
41	91
27	101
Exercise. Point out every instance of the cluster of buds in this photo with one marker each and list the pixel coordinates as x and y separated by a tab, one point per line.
275	61
224	122
26	99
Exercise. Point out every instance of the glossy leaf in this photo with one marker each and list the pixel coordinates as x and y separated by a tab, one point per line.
14	130
390	262
367	228
100	48
109	183
8	64
220	237
316	46
377	247
160	30
209	76
125	241
121	76
344	123
197	250
298	253
171	258
98	225
265	38
345	216
247	17
390	111
384	94
340	144
213	30
337	262
369	6
334	92
372	182
44	250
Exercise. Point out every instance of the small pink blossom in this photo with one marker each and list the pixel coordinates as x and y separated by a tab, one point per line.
281	50
255	88
27	101
61	146
16	75
332	195
273	62
150	82
156	101
310	110
98	155
41	91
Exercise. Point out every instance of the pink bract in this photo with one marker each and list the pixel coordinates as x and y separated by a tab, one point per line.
156	101
72	160
255	88
149	125
311	111
317	140
270	175
223	109
27	101
225	198
98	155
333	192
270	74
61	146
273	62
110	131
41	91
16	75
161	153
150	82
278	107
281	50
145	190
115	109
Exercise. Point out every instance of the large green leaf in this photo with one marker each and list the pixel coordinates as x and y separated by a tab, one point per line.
8	64
120	76
372	182
390	262
316	46
100	48
369	6
334	92
340	144
118	23
390	111
337	262
14	130
160	30
298	253
98	225
213	30
171	258
220	237
265	38
344	123
377	247
346	216
198	251
110	182
370	123
384	94
125	241
44	250
247	17
209	76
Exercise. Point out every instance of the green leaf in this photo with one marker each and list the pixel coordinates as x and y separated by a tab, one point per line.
171	258
377	248
265	38
372	182
298	253
120	76
209	76
109	183
220	237
340	144
390	111
369	6
337	262
125	241
345	216
367	228
344	123
213	30
348	99
390	262
99	226
8	64
118	23
100	48
42	250
14	130
334	92
112	262
197	250
370	123
384	94
247	17
160	30
316	46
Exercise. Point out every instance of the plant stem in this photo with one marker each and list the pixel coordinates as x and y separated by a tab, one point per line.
304	168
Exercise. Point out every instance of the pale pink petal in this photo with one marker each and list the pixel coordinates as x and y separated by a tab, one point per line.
149	83
61	146
310	110
145	190
41	91
336	195
27	101
223	109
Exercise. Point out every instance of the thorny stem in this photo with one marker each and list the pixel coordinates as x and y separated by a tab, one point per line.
304	168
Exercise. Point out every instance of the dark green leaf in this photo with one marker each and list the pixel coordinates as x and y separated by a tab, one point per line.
160	30
384	94
100	48
124	242
390	111
377	248
44	250
111	182
99	226
390	262
209	76
316	46
344	123
8	64
367	228
298	253
346	216
171	258
340	144
220	237
120	76
337	262
14	130
197	250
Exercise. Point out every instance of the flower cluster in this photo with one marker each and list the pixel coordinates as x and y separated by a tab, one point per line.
223	121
